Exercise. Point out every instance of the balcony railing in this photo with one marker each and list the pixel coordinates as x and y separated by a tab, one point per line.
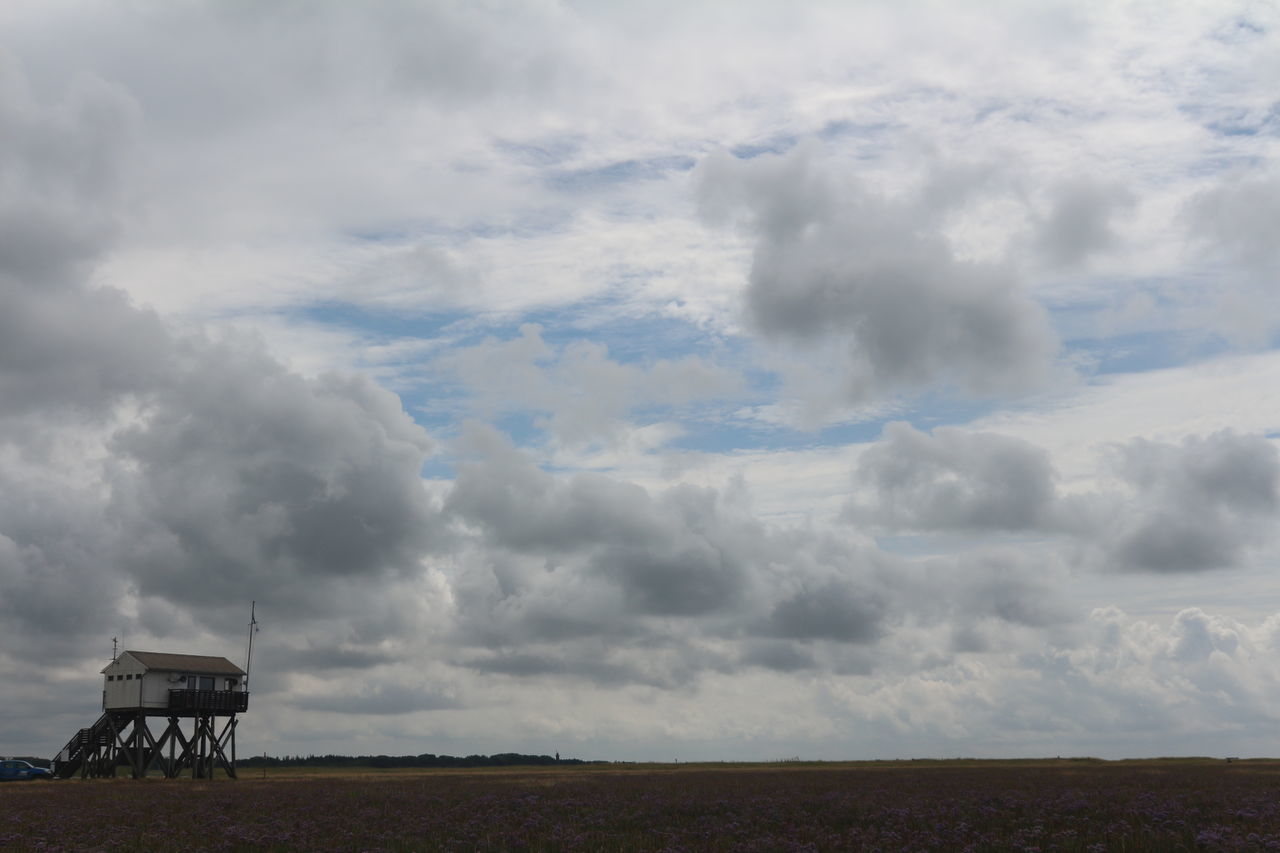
218	701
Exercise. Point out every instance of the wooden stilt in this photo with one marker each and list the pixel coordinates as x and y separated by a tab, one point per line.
139	745
172	771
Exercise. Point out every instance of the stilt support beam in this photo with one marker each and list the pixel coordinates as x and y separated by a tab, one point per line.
124	739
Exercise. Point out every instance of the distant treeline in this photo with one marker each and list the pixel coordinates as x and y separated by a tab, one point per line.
502	759
33	761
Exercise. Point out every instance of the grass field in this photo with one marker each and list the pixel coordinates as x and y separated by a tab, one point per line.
1065	805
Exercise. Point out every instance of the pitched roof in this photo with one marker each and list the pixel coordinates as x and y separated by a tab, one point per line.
199	664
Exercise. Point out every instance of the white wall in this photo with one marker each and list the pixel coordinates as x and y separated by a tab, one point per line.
123	685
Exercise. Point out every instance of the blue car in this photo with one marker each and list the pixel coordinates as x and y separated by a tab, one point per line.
12	770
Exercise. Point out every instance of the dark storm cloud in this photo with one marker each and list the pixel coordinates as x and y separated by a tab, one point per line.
834	260
321	658
1199	505
237	480
663	581
555	662
777	655
833	611
61	172
953	479
664	659
139	463
247	476
674	555
379	699
691	584
53	586
61	175
66	355
74	351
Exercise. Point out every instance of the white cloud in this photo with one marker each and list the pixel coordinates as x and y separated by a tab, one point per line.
835	260
953	479
583	395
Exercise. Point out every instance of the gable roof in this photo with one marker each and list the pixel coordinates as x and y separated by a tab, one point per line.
198	664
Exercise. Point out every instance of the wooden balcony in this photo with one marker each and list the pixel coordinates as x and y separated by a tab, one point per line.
217	701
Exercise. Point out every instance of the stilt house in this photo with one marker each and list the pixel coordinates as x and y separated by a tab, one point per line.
155	680
139	686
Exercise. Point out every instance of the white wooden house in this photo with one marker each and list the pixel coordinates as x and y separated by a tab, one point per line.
161	681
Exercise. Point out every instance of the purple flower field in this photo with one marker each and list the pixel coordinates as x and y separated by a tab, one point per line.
1063	806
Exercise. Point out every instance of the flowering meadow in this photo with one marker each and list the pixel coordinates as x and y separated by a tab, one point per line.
893	806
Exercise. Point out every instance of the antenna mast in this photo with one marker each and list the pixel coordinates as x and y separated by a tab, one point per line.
253	629
115	647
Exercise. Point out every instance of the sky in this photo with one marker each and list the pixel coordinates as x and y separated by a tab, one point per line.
662	381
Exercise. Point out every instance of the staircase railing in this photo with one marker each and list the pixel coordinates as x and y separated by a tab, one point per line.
71	756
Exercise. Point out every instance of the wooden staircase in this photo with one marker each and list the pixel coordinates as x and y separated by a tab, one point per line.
87	747
123	739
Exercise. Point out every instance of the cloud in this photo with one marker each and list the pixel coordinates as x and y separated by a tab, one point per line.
79	352
1120	685
595	668
62	171
1199	505
53	591
1196	636
313	658
1226	223
1201	670
1232	216
227	479
403	180
953	479
833	611
583	397
1005	585
363	698
1080	221
663	587
142	464
245	476
62	168
670	556
68	356
836	260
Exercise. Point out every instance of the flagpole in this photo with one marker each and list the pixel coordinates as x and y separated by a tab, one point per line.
253	629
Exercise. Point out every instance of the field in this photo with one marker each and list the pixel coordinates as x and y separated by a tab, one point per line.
890	806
